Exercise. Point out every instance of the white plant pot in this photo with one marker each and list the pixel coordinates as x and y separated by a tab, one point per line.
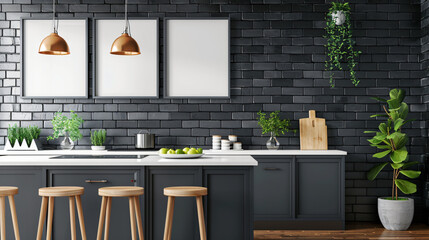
339	17
34	146
98	148
396	214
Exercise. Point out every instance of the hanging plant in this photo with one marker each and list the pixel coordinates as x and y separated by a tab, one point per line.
339	48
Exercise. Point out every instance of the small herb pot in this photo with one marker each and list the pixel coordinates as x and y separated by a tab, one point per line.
396	214
98	148
339	17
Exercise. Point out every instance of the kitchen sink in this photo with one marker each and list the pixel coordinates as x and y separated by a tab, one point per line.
99	156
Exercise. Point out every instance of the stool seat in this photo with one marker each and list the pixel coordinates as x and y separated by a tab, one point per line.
61	191
185	191
8	191
128	191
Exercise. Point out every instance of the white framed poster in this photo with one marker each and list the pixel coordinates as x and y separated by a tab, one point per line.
54	76
132	76
196	58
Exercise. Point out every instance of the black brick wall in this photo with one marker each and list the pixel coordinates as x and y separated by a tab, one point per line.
277	64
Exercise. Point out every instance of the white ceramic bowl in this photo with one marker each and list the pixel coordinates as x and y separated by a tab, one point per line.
181	156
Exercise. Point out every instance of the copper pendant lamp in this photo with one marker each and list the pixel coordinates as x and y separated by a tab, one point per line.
125	44
54	44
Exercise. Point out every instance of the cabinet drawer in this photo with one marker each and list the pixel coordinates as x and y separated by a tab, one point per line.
92	180
273	188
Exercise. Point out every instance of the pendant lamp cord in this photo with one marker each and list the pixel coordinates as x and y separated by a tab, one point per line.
54	23
127	23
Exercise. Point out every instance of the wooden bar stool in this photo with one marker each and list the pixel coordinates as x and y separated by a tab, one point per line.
133	194
9	192
184	191
49	194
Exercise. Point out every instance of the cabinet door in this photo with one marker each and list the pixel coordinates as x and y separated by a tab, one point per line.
273	188
319	186
27	202
185	224
91	180
228	202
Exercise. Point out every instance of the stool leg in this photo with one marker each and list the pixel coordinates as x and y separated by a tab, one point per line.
200	210
14	217
101	220
81	218
169	218
132	218
2	218
139	217
108	212
42	217
50	218
72	218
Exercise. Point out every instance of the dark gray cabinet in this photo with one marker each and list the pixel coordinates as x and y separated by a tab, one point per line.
273	188
230	198
185	224
28	180
228	207
91	180
299	192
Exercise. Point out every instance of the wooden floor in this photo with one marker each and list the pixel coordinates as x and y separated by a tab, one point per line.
357	231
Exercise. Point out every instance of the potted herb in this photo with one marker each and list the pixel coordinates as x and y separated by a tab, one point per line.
20	138
67	127
98	137
274	126
339	47
396	213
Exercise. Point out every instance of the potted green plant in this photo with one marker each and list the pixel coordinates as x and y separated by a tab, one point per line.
396	213
67	127
98	137
20	138
274	126
340	45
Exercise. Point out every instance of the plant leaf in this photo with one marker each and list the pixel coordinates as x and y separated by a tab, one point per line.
381	154
410	173
372	174
405	186
379	115
399	155
409	164
396	165
379	99
398	123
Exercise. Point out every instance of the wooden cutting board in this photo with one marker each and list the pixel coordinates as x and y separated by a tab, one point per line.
313	132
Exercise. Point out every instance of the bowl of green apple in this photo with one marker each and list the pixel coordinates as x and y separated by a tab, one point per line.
185	153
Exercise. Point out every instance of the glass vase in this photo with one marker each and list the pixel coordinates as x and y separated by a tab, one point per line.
67	143
272	143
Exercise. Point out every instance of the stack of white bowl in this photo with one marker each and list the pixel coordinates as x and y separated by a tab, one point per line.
216	142
226	144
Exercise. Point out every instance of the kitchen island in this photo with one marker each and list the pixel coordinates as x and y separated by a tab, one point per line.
228	206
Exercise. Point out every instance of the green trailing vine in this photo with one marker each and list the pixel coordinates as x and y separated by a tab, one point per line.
339	47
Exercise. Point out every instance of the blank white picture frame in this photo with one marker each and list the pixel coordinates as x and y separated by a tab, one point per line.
54	76
196	58
118	76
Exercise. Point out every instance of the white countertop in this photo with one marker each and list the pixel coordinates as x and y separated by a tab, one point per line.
208	152
44	160
211	158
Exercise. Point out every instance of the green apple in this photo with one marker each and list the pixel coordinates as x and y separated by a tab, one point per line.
186	149
200	150
192	151
171	151
180	151
163	151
